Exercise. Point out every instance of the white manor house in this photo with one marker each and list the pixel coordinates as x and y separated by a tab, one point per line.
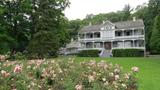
108	36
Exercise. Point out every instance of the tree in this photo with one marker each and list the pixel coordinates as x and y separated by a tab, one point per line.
126	12
140	11
44	44
14	22
73	28
155	37
48	26
152	11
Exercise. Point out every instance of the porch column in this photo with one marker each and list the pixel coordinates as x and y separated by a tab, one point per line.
103	44
92	44
111	44
85	35
123	44
85	44
93	34
123	33
133	44
132	32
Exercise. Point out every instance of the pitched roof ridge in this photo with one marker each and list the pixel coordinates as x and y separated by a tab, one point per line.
128	21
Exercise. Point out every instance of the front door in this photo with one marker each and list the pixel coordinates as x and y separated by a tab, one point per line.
107	45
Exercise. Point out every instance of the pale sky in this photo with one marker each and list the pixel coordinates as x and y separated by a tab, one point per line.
80	8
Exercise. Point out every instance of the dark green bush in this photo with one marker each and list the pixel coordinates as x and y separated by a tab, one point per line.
16	56
89	53
128	53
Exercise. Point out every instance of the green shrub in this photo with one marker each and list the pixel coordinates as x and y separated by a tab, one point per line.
17	56
89	53
128	53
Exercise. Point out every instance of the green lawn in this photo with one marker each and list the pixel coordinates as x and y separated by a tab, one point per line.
149	74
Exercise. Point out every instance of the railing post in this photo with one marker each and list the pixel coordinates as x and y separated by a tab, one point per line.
133	43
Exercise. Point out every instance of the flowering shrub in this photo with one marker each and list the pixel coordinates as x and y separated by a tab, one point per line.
65	75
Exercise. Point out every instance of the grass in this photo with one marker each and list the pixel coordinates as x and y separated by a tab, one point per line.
149	74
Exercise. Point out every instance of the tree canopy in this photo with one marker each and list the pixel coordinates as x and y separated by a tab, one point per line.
26	23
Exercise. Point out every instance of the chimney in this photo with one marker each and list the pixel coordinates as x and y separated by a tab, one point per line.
104	22
134	18
90	24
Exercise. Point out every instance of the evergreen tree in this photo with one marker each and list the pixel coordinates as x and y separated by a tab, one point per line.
126	12
152	11
155	37
48	27
43	45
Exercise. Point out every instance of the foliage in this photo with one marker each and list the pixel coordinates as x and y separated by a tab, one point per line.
7	44
89	53
20	20
152	11
126	12
43	47
65	75
155	37
17	56
14	22
140	11
128	53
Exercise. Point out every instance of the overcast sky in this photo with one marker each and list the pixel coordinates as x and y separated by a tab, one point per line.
80	8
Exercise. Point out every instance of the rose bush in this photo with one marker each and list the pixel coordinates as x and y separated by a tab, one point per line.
65	75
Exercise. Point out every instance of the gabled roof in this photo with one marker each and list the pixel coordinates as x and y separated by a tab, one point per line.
129	24
118	25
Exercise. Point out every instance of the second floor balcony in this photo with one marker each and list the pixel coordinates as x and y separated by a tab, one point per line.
129	33
115	34
90	35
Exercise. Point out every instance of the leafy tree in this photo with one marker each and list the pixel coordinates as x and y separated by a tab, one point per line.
152	11
155	37
14	22
73	28
140	11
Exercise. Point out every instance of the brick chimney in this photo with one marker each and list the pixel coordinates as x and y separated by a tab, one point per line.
134	18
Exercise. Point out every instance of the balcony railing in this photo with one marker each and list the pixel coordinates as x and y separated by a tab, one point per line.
128	47
112	38
131	36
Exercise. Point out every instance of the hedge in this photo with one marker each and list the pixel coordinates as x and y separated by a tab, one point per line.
128	53
89	53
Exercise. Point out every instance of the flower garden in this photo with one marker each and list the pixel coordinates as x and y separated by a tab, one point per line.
65	74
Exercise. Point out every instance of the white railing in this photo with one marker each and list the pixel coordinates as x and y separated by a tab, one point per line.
128	47
90	49
132	36
111	38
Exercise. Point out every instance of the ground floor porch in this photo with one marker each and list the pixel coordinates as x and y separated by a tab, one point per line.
109	45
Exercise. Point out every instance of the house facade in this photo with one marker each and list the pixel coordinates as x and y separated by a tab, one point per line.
108	36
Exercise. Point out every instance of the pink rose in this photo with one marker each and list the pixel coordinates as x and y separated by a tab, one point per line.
78	87
17	69
4	73
135	69
116	77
